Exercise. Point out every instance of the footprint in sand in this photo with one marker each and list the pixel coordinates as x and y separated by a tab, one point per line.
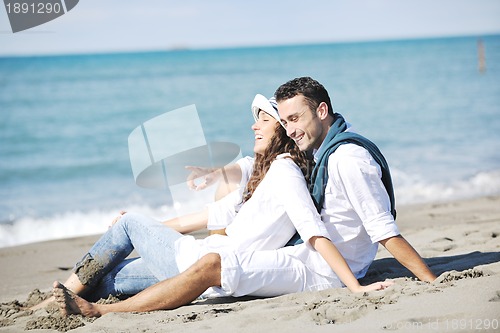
346	308
454	275
443	244
496	298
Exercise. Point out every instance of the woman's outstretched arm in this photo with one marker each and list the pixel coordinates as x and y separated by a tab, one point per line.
189	223
182	224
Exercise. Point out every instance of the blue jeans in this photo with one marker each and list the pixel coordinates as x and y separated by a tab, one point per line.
107	271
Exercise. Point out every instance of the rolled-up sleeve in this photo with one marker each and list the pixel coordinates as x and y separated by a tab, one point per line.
246	166
222	212
360	176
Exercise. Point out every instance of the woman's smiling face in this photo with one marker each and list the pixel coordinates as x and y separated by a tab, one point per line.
264	129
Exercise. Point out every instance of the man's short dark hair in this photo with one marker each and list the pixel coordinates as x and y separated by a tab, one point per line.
313	92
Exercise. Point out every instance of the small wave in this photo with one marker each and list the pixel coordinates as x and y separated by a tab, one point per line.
70	224
411	189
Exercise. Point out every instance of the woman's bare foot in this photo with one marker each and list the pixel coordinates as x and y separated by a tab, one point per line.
43	304
70	303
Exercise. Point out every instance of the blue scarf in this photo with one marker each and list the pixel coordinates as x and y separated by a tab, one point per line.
335	137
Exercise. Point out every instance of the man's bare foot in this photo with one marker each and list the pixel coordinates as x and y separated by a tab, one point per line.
70	303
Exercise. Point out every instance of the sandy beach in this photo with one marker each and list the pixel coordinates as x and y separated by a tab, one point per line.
459	240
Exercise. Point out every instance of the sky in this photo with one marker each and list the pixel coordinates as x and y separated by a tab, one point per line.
100	26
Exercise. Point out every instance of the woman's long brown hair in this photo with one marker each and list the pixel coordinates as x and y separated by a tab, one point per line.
280	143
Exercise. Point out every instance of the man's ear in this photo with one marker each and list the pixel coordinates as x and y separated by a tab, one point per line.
322	111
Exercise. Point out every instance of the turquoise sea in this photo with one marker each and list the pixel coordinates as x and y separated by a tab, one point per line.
65	121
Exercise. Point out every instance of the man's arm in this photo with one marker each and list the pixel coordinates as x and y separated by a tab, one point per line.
363	186
403	252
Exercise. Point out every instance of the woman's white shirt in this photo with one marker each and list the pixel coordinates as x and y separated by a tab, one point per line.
279	206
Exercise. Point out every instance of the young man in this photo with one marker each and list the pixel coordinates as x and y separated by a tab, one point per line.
353	192
352	184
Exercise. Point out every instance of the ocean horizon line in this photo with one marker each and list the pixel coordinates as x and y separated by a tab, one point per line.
187	48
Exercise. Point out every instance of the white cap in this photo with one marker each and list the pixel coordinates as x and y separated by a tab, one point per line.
269	106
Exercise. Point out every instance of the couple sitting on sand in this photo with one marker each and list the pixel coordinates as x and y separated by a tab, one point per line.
341	221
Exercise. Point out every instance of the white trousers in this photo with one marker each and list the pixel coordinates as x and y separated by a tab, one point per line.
266	274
